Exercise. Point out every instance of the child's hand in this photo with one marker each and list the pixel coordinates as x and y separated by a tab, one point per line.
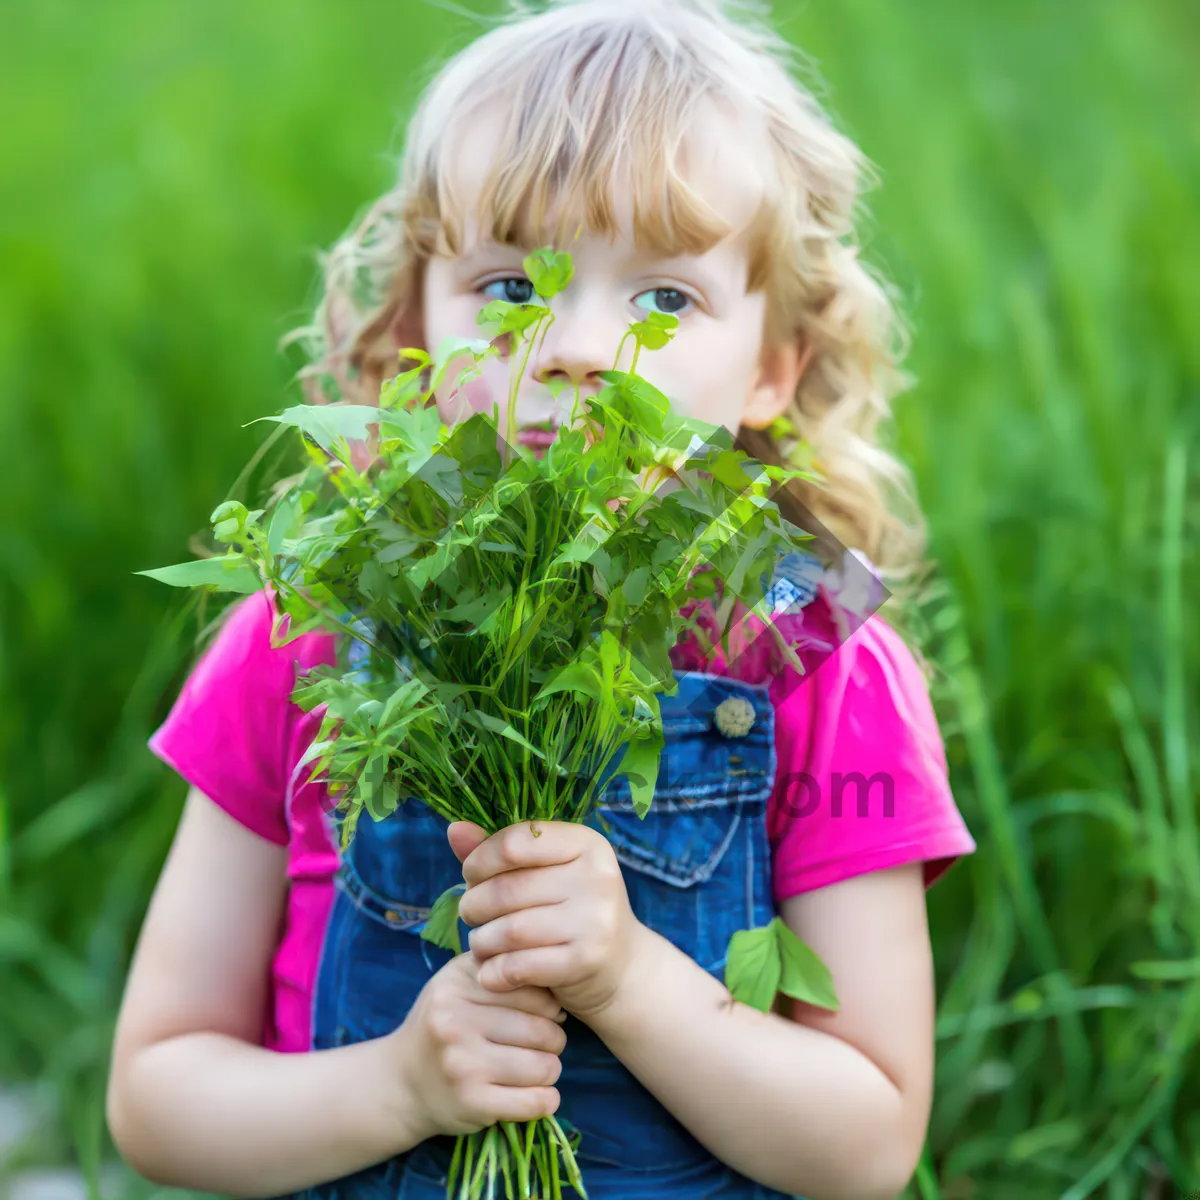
471	1057
549	910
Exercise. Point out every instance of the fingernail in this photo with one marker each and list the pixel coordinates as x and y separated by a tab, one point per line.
562	1016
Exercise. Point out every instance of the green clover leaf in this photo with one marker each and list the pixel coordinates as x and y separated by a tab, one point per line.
769	960
442	926
548	271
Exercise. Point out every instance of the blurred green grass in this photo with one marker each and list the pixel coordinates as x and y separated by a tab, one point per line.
172	172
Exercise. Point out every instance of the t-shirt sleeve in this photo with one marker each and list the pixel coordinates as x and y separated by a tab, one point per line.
230	729
861	780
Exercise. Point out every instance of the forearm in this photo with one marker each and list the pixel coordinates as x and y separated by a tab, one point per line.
208	1112
788	1106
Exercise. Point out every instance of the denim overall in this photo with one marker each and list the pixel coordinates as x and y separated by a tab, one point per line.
697	869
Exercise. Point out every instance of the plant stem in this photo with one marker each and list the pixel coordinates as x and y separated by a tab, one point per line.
455	1165
621	346
574	1175
510	1133
514	387
468	1159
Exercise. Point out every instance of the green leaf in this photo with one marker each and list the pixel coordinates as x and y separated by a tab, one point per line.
441	928
283	521
736	577
474	609
317	687
500	316
379	794
730	468
318	752
753	969
328	424
634	587
402	701
579	677
405	387
452	348
668	549
372	581
418	430
587	544
549	271
223	573
638	402
805	977
228	520
472	444
662	320
650	336
444	476
639	765
483	720
233	510
448	692
398	549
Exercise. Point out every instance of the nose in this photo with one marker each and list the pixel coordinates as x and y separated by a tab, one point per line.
579	344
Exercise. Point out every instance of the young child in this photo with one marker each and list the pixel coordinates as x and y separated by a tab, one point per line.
285	1030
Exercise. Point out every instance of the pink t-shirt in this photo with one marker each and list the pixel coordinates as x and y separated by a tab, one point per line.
861	781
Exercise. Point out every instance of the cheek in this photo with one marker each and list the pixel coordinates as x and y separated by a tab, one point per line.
726	371
448	315
476	395
479	394
707	375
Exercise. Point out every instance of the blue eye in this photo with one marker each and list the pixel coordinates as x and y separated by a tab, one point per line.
515	289
666	300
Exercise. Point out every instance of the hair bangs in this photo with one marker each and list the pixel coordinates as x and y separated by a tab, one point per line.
594	134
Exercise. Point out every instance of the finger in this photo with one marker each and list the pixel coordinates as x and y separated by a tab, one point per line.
544	967
529	844
526	887
464	837
521	930
516	1103
533	1000
510	1027
515	1066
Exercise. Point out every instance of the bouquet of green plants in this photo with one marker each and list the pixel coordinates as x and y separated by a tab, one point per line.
507	619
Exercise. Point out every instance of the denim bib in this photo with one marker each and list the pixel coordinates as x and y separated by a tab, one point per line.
697	869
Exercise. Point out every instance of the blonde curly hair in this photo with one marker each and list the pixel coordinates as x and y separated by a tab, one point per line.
584	85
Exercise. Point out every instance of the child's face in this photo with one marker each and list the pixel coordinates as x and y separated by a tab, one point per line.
716	367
